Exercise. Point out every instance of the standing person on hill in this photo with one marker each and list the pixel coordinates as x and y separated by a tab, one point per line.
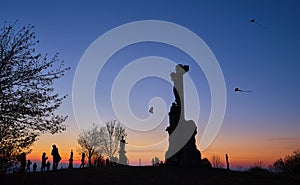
82	160
71	160
34	167
56	157
48	166
44	159
28	165
23	162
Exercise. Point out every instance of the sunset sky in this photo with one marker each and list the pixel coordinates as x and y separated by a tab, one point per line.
263	57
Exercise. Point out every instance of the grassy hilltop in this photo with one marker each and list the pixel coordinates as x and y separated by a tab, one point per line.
148	176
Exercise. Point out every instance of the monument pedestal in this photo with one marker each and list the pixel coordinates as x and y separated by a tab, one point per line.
182	144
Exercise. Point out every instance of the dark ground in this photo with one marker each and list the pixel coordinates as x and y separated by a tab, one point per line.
148	176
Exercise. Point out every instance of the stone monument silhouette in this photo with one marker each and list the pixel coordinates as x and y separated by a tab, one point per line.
182	144
122	157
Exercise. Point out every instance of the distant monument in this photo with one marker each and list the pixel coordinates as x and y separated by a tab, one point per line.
122	157
182	144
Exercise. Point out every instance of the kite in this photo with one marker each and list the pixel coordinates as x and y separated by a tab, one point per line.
257	23
151	110
239	90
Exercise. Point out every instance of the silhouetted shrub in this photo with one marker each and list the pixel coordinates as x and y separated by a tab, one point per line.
206	163
290	164
258	167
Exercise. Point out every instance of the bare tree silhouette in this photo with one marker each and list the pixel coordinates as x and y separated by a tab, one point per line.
112	134
90	142
217	162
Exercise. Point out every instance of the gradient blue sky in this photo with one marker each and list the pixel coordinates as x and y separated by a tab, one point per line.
262	57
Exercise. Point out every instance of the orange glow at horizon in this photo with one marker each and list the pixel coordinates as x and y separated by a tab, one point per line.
243	152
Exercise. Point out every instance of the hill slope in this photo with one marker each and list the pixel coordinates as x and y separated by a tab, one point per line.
146	176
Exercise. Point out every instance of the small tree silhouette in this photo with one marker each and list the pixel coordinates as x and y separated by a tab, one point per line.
216	162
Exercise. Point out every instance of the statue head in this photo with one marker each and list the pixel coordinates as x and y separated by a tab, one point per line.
180	68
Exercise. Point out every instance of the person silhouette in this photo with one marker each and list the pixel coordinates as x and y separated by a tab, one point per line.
28	165
82	160
23	162
48	165
71	160
107	162
34	167
156	161
44	159
56	157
